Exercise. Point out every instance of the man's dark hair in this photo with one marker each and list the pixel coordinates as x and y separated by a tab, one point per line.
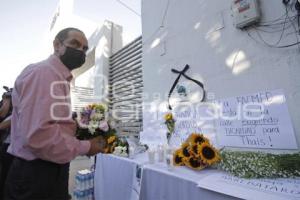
63	34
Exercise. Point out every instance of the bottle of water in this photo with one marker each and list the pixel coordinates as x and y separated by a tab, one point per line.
84	185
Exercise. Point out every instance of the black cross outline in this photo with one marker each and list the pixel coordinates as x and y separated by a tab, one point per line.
182	73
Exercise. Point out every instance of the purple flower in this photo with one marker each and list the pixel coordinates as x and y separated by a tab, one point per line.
103	125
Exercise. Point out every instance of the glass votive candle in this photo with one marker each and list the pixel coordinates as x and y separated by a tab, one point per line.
131	152
161	153
151	156
169	161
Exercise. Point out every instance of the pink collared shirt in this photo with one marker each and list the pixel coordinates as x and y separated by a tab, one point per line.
42	126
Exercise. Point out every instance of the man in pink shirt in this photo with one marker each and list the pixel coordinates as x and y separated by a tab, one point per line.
42	132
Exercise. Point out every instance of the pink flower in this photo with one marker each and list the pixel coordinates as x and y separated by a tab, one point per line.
103	125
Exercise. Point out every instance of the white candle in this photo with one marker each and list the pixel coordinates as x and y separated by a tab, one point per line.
151	156
161	154
169	161
131	152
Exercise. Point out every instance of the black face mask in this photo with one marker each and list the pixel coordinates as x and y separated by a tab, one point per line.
72	58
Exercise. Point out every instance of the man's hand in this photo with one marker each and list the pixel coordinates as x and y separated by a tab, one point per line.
98	144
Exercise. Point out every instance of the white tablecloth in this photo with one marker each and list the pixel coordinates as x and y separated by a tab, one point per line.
116	178
180	183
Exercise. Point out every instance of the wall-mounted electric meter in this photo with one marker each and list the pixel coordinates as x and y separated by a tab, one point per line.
245	12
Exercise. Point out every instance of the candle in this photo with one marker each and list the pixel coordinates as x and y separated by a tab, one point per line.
161	153
151	156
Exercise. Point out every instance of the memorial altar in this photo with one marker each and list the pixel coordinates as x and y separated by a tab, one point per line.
151	175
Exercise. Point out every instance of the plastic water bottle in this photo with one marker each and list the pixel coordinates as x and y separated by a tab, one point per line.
84	185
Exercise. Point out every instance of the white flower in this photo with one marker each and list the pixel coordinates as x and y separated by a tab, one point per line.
117	150
92	130
92	126
97	116
120	151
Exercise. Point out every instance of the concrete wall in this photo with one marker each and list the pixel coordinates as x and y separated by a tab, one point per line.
201	33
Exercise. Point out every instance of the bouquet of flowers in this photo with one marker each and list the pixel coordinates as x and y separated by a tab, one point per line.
196	152
170	123
246	164
92	123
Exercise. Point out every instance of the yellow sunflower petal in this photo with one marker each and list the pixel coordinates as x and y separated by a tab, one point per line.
185	150
168	116
191	137
111	139
193	149
196	138
112	147
178	158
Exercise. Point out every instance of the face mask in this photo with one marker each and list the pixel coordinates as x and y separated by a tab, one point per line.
72	58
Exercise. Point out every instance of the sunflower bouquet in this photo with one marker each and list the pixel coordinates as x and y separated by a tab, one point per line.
196	152
170	123
92	123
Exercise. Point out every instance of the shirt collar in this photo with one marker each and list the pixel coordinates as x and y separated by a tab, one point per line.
58	65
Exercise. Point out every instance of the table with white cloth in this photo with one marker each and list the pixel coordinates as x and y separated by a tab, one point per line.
132	179
116	177
180	183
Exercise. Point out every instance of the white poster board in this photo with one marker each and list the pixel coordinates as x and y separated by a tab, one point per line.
153	136
192	118
259	120
188	111
267	189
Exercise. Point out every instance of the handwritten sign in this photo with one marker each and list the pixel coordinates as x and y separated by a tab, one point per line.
275	189
191	118
259	120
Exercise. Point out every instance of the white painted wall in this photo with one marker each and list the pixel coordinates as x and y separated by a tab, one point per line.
177	32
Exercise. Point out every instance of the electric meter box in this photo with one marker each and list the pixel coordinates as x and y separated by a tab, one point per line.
245	12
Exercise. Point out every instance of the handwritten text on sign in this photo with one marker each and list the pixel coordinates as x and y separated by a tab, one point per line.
192	118
259	120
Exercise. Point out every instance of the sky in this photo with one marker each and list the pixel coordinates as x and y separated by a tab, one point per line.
25	27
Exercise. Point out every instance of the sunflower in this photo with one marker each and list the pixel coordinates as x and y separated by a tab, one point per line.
178	158
208	154
193	149
196	138
194	163
168	116
112	147
111	139
185	149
